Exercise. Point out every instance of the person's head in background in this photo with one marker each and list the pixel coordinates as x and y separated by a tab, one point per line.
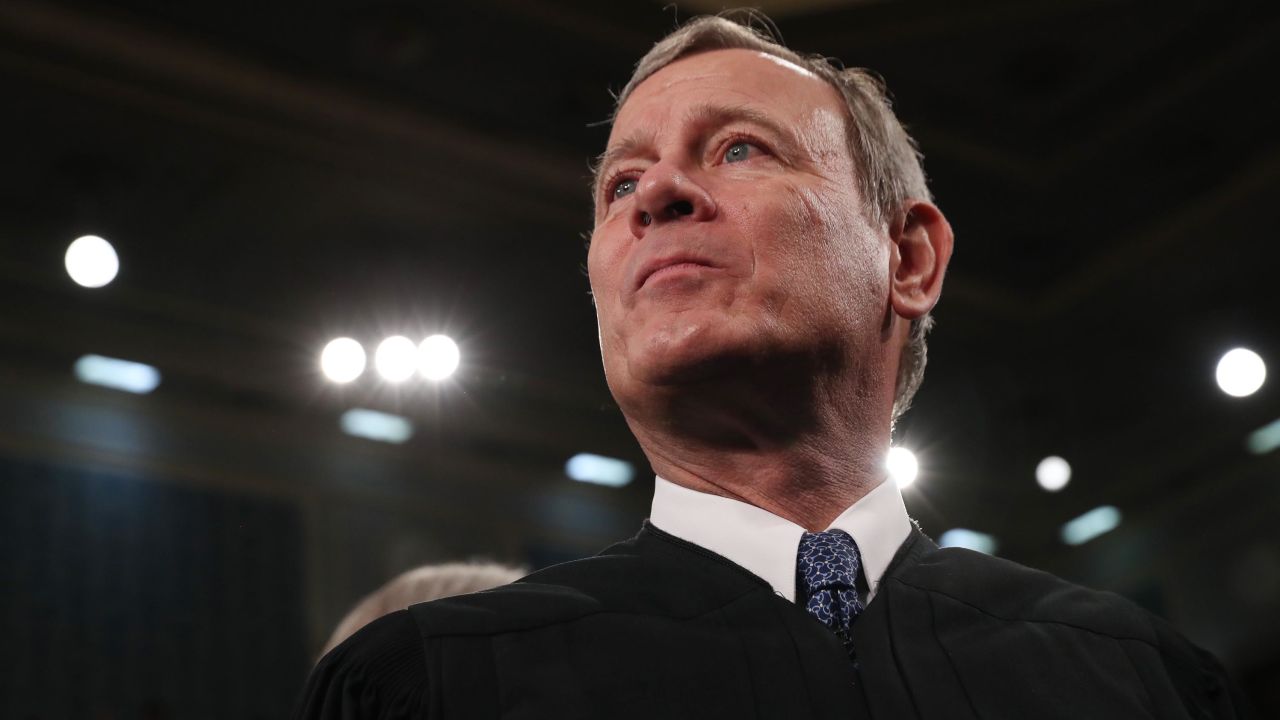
429	582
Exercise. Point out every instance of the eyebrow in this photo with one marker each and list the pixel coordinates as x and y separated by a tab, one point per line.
715	116
629	146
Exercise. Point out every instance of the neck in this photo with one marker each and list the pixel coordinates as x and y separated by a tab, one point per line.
805	461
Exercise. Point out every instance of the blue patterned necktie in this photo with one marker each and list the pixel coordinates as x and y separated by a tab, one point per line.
827	567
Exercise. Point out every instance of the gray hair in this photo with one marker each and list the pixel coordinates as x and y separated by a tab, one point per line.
429	582
887	163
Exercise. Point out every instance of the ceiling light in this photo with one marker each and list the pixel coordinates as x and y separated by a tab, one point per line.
438	357
374	425
91	261
1264	439
1053	473
1241	372
396	358
126	375
599	470
342	360
971	539
1090	525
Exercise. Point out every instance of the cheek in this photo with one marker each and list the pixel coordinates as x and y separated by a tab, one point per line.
594	276
840	260
604	266
603	260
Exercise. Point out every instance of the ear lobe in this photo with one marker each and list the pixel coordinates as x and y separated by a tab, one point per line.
923	244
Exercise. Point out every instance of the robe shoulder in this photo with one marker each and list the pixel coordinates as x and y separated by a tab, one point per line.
963	586
379	673
653	574
1009	591
383	671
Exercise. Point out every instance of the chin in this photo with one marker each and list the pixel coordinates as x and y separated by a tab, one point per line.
688	352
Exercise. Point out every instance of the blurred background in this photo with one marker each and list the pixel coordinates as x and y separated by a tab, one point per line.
182	531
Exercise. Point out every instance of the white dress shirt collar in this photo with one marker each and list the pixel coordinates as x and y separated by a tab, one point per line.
766	544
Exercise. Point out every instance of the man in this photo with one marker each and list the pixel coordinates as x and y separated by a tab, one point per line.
764	261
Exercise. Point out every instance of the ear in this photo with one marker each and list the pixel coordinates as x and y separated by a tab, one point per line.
922	242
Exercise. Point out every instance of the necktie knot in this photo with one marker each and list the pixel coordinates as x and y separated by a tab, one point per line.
827	561
827	565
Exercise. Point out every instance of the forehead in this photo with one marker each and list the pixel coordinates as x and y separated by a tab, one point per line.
735	77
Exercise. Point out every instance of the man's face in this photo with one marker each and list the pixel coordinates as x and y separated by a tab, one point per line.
729	226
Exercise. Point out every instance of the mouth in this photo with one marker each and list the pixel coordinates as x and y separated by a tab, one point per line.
661	267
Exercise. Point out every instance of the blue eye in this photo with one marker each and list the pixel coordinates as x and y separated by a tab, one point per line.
624	188
738	152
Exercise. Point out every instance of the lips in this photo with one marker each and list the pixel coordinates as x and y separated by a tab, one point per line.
648	269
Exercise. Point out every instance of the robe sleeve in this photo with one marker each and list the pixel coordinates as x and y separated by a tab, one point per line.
1219	697
379	673
1207	690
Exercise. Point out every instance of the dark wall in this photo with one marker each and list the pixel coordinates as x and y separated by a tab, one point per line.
127	597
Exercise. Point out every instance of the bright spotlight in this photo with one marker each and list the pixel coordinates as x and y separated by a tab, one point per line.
126	375
1241	372
437	357
971	539
91	261
902	466
396	358
1053	473
342	360
374	425
599	470
1090	525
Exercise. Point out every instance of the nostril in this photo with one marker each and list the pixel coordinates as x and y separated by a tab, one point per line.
680	207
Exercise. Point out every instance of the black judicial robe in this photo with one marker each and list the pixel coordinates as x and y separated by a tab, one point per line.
658	628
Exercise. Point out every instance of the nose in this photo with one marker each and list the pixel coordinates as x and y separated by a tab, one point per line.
665	195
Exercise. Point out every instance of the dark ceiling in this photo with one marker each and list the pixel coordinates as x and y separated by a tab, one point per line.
276	174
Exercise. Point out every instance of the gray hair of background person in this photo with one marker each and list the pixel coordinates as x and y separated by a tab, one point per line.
886	160
429	582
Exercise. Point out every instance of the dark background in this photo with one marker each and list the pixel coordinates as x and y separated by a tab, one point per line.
277	174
